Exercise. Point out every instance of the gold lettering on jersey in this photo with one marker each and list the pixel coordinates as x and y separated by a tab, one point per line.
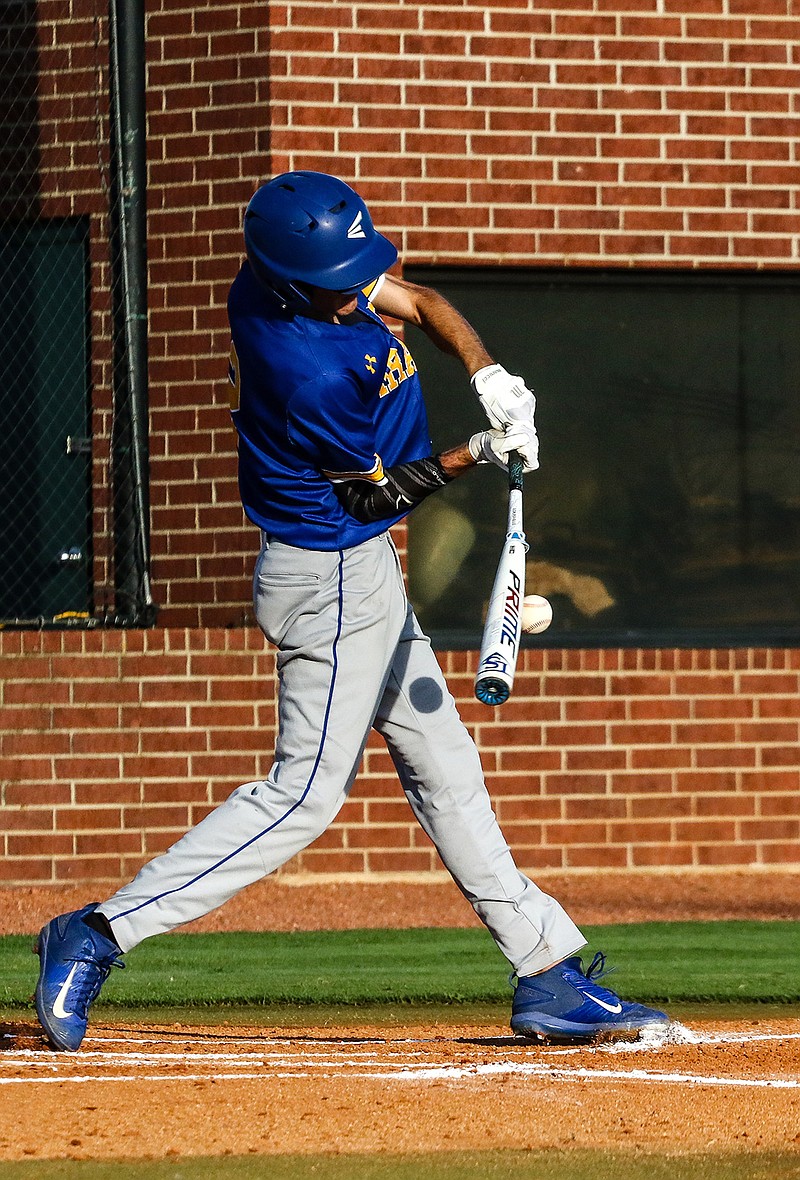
234	379
370	362
399	367
411	368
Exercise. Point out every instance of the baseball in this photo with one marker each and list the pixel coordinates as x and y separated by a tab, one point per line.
537	614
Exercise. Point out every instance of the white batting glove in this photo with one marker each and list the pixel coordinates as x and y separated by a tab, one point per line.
505	399
493	446
522	437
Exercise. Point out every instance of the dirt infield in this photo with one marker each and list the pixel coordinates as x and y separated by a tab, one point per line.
160	1091
136	1091
287	902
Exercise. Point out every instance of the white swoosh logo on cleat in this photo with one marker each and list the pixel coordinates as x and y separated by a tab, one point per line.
615	1008
58	1007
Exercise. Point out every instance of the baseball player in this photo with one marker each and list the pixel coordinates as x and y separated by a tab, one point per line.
334	449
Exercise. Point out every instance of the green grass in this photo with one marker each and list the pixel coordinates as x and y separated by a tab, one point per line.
659	962
394	975
473	1165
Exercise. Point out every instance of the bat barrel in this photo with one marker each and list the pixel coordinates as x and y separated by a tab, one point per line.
502	628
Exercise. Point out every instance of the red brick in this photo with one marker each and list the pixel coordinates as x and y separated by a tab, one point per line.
779	756
640	783
79	819
26	820
651	856
594	710
640	734
378	836
724	805
574	735
409	861
575	784
601	759
663	806
100	868
780	853
524	834
526	759
26	870
659	758
591	808
604	857
535	810
44	794
708	732
776	707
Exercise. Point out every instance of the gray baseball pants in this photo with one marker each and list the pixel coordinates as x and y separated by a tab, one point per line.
351	657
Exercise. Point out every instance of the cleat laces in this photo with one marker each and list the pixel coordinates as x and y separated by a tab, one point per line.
597	968
87	985
586	982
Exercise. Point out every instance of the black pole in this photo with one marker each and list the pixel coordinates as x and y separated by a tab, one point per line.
130	449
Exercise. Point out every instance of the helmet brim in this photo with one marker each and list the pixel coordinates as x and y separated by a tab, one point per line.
358	272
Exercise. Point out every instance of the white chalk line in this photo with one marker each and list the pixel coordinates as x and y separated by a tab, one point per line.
674	1034
368	1060
560	1073
438	1073
35	1057
145	1077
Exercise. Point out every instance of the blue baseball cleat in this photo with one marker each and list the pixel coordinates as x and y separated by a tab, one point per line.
74	963
565	1005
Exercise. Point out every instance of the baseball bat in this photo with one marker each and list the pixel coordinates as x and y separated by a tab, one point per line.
503	627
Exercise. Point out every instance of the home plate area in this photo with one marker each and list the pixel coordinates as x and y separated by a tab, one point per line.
404	1088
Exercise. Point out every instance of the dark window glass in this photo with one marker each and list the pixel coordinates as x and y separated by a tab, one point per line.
667	507
45	505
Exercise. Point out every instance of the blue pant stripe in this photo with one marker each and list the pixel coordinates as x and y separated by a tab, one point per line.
306	789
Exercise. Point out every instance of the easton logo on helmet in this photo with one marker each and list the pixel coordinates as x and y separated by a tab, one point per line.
355	230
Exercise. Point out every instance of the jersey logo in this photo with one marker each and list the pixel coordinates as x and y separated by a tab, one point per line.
370	362
356	230
399	367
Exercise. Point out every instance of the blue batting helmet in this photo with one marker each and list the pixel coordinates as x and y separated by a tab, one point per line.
311	228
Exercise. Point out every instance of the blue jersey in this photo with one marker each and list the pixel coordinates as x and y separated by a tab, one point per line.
316	403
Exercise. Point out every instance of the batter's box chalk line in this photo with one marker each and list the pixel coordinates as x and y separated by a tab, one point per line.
655	1038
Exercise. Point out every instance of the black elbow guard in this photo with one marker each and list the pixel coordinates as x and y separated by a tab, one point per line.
404	486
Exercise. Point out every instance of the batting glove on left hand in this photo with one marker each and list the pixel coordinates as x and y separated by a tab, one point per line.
506	399
493	446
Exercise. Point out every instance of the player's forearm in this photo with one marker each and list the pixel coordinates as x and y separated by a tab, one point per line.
438	319
451	333
457	461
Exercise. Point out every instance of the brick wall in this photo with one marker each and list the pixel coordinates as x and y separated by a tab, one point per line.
113	743
609	132
208	149
603	132
622	132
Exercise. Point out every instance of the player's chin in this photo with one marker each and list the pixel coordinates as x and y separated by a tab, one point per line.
349	307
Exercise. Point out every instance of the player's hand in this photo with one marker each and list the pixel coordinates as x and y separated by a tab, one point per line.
506	399
522	438
493	446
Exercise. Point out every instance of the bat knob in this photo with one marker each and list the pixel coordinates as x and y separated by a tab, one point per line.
491	691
